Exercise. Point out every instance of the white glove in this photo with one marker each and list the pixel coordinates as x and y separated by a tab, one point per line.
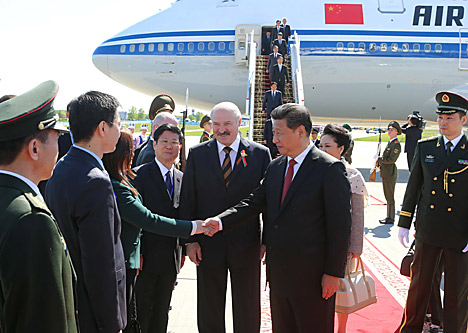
376	157
403	234
465	249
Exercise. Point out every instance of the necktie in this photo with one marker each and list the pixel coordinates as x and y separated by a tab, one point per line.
288	179
274	94
449	145
226	169
169	186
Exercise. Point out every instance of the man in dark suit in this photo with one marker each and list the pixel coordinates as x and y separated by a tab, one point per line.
282	44
36	275
437	186
268	138
315	139
276	30
272	60
286	29
219	173
299	225
280	74
272	99
412	135
80	195
159	184
266	43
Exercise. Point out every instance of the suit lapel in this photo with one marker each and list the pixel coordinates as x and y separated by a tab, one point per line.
278	174
159	180
440	157
243	145
177	177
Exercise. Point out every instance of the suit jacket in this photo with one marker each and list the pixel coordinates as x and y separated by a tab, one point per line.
388	159
266	44
268	137
287	31
274	32
272	60
413	135
64	143
161	254
437	185
36	275
306	236
282	47
146	153
136	217
81	198
270	102
204	195
317	143
281	77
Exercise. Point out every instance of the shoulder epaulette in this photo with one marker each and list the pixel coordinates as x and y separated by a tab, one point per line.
36	203
432	138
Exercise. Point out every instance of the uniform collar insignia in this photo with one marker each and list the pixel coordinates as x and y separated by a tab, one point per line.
463	146
438	144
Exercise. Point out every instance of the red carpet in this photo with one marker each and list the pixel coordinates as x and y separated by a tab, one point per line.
383	316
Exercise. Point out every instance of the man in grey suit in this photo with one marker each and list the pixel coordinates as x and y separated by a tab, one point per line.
80	196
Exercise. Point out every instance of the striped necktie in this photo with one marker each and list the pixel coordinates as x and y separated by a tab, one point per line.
227	168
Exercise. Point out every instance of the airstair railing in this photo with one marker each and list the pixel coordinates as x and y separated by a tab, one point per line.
296	70
250	101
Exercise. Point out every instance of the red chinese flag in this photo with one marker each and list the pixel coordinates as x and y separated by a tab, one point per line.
336	13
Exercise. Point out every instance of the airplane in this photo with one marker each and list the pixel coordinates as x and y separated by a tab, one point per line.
361	59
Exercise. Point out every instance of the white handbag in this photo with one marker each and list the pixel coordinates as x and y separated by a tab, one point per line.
356	291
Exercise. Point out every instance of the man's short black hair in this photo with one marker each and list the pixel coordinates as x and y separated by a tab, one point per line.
167	127
295	115
9	150
340	135
88	110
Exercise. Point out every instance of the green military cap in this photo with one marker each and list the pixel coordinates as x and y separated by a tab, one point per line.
161	103
396	126
205	120
314	130
29	113
450	103
347	127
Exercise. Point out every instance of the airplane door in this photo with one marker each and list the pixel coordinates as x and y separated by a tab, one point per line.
391	6
242	34
463	51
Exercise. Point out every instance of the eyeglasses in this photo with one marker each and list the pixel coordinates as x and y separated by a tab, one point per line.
165	142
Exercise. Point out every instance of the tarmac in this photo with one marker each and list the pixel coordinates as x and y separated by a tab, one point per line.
182	317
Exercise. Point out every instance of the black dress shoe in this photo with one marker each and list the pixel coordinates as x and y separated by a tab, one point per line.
386	221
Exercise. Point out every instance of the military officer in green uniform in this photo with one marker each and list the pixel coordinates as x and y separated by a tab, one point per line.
36	276
438	185
207	126
388	170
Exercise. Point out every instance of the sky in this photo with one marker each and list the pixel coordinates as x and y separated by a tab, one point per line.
44	40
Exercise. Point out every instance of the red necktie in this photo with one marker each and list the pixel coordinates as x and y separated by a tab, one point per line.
288	179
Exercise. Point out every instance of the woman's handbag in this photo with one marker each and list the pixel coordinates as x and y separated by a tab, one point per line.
356	291
405	268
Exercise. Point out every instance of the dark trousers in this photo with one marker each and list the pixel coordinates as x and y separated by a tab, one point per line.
423	269
409	158
130	281
245	289
281	85
153	294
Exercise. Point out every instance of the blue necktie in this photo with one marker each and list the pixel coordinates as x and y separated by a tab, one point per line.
169	187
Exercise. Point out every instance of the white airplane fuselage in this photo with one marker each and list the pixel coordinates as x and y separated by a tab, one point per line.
391	62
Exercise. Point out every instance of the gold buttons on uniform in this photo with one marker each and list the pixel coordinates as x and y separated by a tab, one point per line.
435	178
453	180
449	209
432	206
450	195
433	192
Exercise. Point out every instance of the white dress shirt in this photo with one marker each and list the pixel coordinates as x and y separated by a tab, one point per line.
299	159
454	141
26	180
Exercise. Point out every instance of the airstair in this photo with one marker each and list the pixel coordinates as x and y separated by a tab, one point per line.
259	84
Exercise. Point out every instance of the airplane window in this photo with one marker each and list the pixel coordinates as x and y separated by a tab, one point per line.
132	48
221	46
339	46
180	47
161	47
231	46
141	48
191	47
122	49
394	47
438	48
350	47
383	47
211	46
416	47
372	47
241	45
151	47
362	47
201	46
427	48
170	47
405	47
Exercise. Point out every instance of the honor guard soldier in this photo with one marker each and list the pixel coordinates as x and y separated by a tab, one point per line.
36	275
161	103
438	186
207	126
388	170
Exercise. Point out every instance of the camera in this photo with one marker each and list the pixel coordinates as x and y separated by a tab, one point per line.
417	120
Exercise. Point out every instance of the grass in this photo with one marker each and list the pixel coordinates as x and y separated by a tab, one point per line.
427	133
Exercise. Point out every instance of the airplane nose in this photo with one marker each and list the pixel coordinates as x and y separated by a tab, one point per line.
100	60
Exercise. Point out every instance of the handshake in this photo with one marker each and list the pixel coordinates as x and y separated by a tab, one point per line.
208	227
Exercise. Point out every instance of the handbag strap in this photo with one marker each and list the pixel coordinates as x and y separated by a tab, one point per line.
364	276
351	284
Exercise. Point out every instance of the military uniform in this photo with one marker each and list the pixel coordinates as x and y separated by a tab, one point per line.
205	136
36	275
389	173
438	186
